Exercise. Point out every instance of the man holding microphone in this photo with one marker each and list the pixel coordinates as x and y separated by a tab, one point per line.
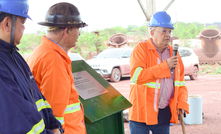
157	93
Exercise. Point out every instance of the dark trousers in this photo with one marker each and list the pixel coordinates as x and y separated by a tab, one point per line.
163	126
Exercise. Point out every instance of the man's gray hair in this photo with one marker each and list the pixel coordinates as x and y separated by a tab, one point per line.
151	28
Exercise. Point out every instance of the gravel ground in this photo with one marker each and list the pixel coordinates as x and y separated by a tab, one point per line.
209	87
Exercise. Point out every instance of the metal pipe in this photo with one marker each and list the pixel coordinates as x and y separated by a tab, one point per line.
171	2
145	13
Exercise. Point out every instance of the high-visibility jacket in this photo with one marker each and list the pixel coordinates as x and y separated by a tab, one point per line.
23	109
147	69
52	71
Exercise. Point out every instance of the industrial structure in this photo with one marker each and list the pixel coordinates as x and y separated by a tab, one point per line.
210	52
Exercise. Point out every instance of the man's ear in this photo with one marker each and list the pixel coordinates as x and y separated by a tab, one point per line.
152	32
66	31
6	24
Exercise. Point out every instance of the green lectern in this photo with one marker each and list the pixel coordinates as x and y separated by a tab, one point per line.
103	104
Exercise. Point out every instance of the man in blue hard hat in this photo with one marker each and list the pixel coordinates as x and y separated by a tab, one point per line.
158	94
23	107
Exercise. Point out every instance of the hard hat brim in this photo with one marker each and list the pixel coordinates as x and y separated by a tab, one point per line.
62	25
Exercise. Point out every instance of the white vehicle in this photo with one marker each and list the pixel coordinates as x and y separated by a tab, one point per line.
75	56
112	63
190	62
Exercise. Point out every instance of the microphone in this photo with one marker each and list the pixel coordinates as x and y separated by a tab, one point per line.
175	48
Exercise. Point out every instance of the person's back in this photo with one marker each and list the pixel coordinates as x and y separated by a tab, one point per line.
23	108
51	66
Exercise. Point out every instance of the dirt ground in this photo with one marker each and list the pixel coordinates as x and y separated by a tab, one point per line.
209	87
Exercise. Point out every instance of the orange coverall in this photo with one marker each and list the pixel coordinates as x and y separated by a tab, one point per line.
146	73
52	71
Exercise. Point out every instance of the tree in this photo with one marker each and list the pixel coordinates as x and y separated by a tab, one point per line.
106	33
212	27
88	43
30	41
187	30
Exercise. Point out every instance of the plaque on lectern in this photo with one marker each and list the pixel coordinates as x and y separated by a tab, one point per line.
87	86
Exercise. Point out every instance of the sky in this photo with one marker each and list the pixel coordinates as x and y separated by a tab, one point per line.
101	14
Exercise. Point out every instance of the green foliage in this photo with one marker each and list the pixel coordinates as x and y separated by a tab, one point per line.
107	32
135	30
137	33
187	30
210	69
185	43
200	72
132	28
30	41
218	70
212	73
89	42
212	27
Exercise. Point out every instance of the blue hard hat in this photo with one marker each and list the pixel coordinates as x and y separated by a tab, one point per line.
161	19
15	7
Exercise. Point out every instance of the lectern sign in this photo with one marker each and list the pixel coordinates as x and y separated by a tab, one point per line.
87	86
103	104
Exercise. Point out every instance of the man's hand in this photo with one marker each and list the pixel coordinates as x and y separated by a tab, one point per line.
172	62
56	131
182	111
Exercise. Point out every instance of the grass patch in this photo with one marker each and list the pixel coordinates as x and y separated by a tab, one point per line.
210	69
218	70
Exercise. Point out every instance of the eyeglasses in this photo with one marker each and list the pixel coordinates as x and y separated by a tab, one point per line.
164	31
